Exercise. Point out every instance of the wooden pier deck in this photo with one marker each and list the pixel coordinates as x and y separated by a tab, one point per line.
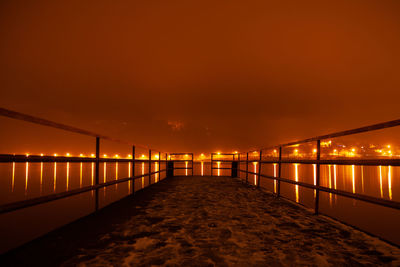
204	221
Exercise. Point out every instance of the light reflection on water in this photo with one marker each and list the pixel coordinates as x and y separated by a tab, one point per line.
362	178
255	171
26	177
13	177
142	174
296	178
55	176
67	176
41	177
390	182
275	175
380	180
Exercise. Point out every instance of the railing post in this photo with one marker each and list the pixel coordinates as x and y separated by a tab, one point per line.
211	167
318	176
247	168
278	190
97	170
159	166
259	170
234	168
166	165
169	167
239	168
149	167
192	165
133	170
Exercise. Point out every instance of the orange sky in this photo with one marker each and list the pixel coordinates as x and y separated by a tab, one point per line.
201	75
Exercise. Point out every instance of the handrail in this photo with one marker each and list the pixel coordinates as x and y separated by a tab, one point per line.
318	162
36	158
95	159
366	162
36	120
369	128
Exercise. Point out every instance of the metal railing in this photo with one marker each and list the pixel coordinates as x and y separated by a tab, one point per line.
318	162
172	161
219	155
236	162
8	158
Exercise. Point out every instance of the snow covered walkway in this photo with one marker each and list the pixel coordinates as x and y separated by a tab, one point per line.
206	221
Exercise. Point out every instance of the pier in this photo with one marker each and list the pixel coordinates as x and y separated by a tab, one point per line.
205	221
175	211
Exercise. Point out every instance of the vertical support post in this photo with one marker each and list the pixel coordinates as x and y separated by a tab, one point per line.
318	177
149	166
133	170
159	166
212	164
170	167
278	190
239	172
97	170
259	169
247	168
166	165
192	165
234	167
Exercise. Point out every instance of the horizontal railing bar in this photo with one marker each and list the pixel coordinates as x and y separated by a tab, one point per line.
183	168
367	162
177	154
36	120
369	128
34	158
180	160
370	199
223	160
221	168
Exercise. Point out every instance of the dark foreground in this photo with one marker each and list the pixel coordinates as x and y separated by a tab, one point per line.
204	221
